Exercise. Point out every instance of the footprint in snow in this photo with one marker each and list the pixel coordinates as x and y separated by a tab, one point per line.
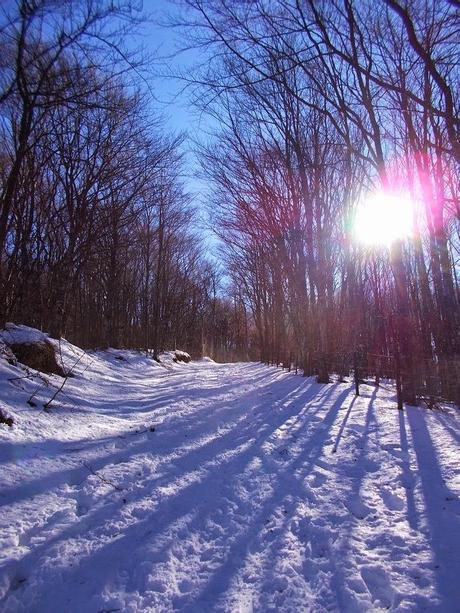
157	585
317	480
206	555
396	451
321	540
358	508
60	517
275	584
357	428
378	584
371	466
83	502
392	501
25	537
81	510
185	586
301	528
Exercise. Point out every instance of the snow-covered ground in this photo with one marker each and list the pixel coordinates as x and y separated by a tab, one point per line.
234	487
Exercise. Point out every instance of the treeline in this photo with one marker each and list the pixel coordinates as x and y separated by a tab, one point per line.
98	237
320	103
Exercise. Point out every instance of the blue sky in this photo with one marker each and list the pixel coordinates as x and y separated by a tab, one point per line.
164	43
169	98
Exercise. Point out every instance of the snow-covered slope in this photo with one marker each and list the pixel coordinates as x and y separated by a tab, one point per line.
235	487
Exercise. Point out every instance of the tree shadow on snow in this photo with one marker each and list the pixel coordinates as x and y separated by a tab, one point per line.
176	506
441	511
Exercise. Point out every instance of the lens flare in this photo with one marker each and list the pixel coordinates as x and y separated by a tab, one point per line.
382	219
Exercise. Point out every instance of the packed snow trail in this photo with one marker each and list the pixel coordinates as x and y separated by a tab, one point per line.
233	487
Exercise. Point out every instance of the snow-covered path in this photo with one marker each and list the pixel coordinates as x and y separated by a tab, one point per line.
233	487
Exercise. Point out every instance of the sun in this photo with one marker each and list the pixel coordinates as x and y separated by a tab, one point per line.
383	218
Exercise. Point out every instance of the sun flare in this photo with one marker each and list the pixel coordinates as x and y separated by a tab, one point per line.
382	219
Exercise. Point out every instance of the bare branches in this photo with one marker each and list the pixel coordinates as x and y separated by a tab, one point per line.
423	52
319	103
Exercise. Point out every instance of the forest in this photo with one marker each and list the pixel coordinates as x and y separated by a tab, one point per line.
98	235
316	106
230	306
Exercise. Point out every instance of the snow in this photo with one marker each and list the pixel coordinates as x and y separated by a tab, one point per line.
22	334
206	358
176	356
222	487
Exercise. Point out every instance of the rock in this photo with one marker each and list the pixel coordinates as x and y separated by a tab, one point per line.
5	418
181	356
39	355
